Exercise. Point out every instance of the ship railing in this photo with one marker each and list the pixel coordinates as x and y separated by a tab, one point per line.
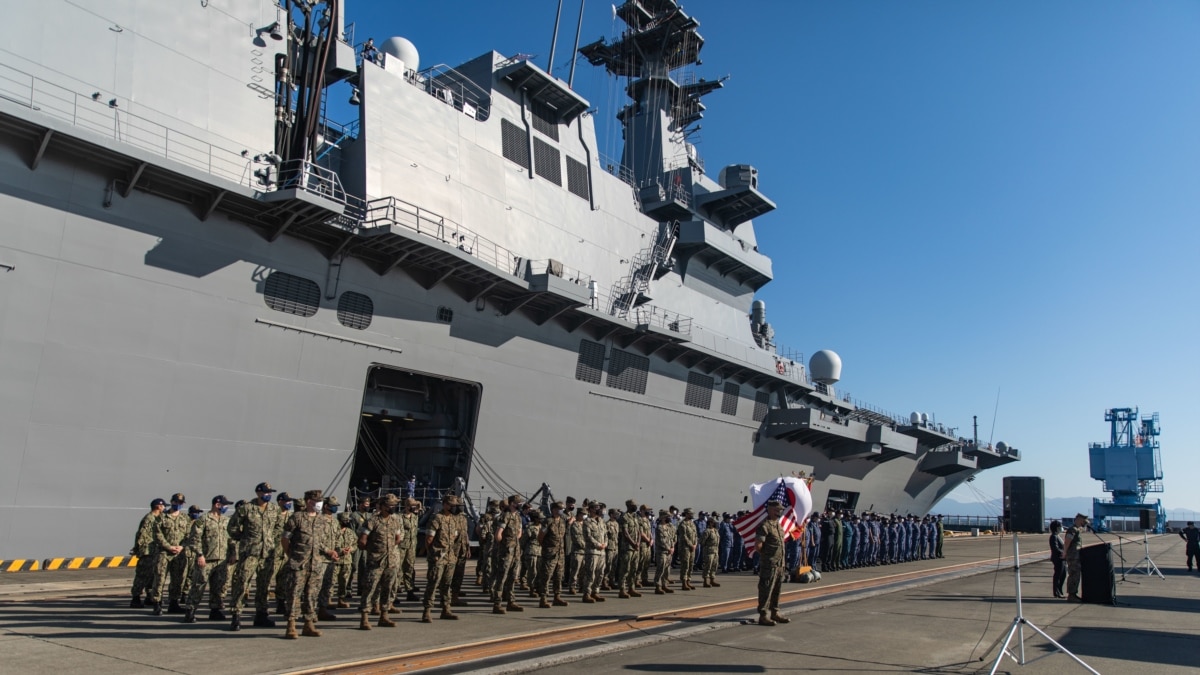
392	211
556	268
879	413
967	523
453	88
102	114
314	179
650	315
616	168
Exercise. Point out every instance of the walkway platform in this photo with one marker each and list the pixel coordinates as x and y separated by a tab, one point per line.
930	616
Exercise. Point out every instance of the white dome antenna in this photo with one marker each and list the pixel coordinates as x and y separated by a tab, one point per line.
825	367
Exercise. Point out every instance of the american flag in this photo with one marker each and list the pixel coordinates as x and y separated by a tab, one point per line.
788	492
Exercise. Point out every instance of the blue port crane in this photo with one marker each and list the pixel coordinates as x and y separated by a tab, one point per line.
1130	467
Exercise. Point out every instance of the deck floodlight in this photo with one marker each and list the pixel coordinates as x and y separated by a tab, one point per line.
354	99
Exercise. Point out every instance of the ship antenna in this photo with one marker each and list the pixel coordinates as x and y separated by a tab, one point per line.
575	52
554	40
994	412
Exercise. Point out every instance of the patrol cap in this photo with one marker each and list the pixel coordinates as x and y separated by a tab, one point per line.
450	499
343	519
409	501
195	509
220	499
158	501
774	502
516	499
630	503
283	498
662	512
557	506
331	500
687	513
535	516
314	495
178	498
389	500
264	487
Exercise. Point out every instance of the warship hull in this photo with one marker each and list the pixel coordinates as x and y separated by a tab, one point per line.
169	327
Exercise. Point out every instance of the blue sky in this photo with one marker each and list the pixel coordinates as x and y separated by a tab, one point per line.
975	198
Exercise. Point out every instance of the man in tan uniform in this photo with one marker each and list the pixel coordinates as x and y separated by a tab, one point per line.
771	566
380	540
308	545
685	533
551	538
209	542
507	551
664	548
595	541
443	541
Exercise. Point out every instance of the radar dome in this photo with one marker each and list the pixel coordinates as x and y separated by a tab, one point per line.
401	48
825	366
915	418
1002	447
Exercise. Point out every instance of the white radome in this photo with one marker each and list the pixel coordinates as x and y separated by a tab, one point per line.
825	366
403	49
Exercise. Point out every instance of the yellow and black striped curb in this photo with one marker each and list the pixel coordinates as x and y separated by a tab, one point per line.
94	563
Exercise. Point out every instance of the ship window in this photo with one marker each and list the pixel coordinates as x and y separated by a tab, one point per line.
515	142
842	500
291	294
699	391
355	310
591	361
445	314
729	402
628	371
577	178
546	162
762	402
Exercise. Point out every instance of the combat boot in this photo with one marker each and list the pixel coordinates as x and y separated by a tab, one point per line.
587	599
280	606
658	590
310	629
425	617
624	595
634	594
325	615
412	595
384	621
342	604
707	584
136	602
189	615
544	603
598	598
779	618
448	615
763	620
559	602
290	633
364	623
514	607
216	615
667	588
236	624
497	608
457	601
174	608
263	620
714	584
157	611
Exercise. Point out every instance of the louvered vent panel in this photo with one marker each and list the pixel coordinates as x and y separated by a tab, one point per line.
516	145
291	294
729	402
699	391
762	401
577	179
546	161
628	372
355	310
591	361
545	120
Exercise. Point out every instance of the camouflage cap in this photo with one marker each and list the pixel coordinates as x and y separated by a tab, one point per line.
410	502
178	498
314	495
687	513
516	499
557	506
332	500
662	512
343	519
389	500
220	499
535	516
195	509
629	503
451	500
774	502
264	487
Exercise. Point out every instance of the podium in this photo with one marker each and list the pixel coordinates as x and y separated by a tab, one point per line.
1098	583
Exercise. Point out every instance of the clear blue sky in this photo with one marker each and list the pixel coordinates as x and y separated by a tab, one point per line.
974	197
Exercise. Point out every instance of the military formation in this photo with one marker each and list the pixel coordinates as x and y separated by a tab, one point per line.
308	555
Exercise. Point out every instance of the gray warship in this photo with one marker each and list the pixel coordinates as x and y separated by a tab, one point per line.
206	281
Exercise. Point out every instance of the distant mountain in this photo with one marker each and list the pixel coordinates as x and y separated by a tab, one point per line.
1056	507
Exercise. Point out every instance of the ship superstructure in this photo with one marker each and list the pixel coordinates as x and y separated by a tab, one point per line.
210	283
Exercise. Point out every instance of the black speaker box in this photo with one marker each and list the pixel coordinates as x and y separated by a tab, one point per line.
1024	503
1098	583
1148	519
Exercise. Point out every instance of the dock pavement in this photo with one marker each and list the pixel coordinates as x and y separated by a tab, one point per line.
930	616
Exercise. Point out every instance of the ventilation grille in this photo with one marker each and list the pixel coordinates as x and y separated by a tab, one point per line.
627	371
546	162
699	391
445	314
762	401
515	143
355	310
292	294
591	361
544	119
729	402
577	181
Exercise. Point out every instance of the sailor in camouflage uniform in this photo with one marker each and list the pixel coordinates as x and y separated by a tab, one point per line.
710	553
408	549
664	548
686	538
443	541
551	537
533	552
308	543
769	541
595	541
208	541
145	549
484	532
253	527
613	525
358	566
507	550
576	548
337	574
169	532
277	561
464	554
380	538
629	540
646	529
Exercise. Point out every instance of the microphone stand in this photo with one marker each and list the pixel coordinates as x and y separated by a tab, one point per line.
1150	566
1120	553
